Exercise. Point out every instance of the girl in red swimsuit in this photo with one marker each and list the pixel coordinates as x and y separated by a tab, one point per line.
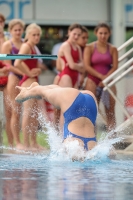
101	59
71	59
31	70
70	63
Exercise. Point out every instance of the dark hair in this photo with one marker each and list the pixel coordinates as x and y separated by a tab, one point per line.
2	17
102	25
84	29
73	26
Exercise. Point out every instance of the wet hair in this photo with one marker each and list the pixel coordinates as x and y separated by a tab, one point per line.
84	29
102	25
14	22
73	26
2	17
30	28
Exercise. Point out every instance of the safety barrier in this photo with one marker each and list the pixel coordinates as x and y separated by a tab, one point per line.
126	128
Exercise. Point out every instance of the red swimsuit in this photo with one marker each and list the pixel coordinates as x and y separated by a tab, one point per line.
3	79
31	63
67	70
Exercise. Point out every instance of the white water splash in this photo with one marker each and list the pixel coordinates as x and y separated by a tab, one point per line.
54	139
72	150
103	149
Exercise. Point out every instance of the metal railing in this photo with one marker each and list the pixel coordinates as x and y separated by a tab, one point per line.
121	72
127	43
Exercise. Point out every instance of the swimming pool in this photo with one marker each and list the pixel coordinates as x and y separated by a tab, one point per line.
36	177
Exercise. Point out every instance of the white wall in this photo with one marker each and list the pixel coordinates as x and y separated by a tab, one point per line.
56	11
69	11
63	12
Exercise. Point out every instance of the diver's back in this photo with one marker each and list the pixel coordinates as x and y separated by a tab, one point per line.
81	116
82	126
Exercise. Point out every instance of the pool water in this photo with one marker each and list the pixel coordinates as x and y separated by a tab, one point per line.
38	177
53	176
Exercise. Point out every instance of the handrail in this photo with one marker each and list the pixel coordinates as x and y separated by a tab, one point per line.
120	59
125	55
120	103
125	44
119	77
118	70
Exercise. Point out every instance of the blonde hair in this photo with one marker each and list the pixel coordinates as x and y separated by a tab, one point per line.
14	22
30	28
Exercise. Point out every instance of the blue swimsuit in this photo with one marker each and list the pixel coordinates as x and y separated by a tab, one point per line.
83	106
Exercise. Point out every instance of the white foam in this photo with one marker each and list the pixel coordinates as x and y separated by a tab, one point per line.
72	150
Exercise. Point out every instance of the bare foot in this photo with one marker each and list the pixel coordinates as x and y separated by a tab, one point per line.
24	93
19	146
37	147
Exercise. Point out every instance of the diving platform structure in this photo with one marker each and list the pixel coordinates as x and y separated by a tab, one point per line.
125	129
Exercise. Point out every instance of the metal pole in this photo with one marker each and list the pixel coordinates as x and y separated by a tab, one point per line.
129	62
34	9
118	78
118	38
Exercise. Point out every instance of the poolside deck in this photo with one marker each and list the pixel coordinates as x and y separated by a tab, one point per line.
125	131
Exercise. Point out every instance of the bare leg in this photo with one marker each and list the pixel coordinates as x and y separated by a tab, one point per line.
91	86
56	118
30	113
27	122
110	112
7	110
34	91
56	80
65	81
27	93
15	110
61	122
30	124
91	144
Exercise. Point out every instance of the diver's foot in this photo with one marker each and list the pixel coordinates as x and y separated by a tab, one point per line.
24	93
22	96
34	84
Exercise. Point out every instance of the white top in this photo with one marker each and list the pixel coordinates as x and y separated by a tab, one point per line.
56	48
